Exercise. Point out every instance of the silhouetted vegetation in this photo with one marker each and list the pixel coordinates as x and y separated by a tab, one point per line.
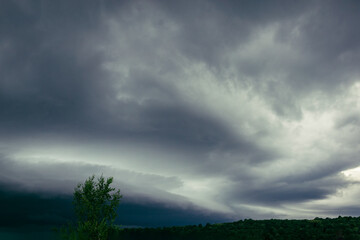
341	228
95	204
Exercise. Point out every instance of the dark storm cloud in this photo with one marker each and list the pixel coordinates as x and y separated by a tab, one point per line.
316	182
330	46
47	76
155	72
283	191
21	208
313	47
51	77
30	200
326	44
62	177
212	29
25	208
53	81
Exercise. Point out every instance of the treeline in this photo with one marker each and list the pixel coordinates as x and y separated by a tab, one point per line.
341	228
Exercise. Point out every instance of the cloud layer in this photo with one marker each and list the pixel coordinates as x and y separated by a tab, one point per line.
226	109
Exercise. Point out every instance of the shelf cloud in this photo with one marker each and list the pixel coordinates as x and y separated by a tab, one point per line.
216	110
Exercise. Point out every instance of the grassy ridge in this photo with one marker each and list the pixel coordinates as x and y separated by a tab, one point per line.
341	228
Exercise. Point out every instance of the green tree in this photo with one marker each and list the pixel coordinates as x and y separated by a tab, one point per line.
95	204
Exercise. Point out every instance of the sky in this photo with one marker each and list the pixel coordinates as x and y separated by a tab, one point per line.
202	110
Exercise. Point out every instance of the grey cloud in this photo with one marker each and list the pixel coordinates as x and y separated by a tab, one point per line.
330	42
279	191
47	78
343	211
329	168
60	86
29	209
210	30
314	50
110	70
283	101
349	120
313	183
41	194
335	20
32	208
62	177
61	83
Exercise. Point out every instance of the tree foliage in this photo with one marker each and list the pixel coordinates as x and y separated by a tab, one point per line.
95	204
341	228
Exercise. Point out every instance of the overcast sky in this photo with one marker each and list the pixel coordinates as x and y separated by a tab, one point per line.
202	111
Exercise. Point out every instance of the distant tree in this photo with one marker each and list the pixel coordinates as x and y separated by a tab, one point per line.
95	204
